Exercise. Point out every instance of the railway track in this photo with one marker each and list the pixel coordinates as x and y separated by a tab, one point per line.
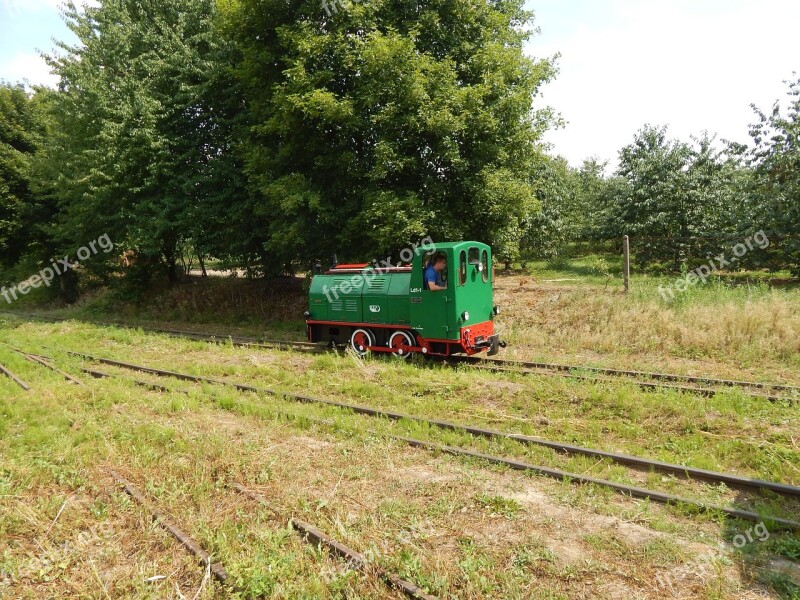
354	559
188	542
644	380
308	533
571	370
511	367
639	463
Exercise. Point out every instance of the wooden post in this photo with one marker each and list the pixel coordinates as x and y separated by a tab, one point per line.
626	267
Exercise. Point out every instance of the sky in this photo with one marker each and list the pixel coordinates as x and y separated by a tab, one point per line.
27	26
693	65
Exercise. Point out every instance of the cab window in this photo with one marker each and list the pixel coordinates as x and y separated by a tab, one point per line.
427	261
485	264
474	257
462	270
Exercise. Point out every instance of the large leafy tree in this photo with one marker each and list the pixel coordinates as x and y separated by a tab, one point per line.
141	140
561	217
376	123
657	202
20	137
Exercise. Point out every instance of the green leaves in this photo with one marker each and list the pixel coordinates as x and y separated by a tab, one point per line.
401	120
266	133
21	130
675	194
776	160
142	127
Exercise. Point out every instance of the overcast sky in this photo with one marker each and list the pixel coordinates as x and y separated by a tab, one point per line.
691	64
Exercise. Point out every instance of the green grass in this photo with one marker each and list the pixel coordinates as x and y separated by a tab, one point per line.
184	449
457	526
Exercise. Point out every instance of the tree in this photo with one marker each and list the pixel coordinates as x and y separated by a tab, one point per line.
20	138
657	203
562	215
776	159
680	196
143	150
383	122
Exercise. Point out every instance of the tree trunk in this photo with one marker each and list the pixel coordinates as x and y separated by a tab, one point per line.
68	287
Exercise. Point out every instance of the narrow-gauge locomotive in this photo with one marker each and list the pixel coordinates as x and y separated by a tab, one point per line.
391	310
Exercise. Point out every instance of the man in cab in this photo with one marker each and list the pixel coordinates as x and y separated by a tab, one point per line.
433	273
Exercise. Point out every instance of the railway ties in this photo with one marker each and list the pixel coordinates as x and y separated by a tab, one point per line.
730	480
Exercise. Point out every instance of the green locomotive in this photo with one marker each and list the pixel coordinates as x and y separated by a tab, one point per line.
391	310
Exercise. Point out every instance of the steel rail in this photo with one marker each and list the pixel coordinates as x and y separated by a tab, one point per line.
152	386
187	541
627	490
624	459
645	385
354	559
14	378
39	360
236	340
507	366
634	491
621	372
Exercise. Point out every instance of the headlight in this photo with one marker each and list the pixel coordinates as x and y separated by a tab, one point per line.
307	315
465	316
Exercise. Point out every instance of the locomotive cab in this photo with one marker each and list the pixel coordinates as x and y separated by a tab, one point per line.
459	318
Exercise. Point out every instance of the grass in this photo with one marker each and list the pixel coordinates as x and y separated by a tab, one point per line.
724	327
458	527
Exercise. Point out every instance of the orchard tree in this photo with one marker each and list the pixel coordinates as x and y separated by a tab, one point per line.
374	124
681	196
561	217
776	158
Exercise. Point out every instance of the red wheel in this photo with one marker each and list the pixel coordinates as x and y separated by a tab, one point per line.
361	340
400	342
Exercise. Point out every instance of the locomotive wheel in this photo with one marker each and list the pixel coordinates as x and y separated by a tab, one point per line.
361	340
398	340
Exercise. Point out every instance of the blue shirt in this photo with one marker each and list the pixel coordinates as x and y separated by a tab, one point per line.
432	276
